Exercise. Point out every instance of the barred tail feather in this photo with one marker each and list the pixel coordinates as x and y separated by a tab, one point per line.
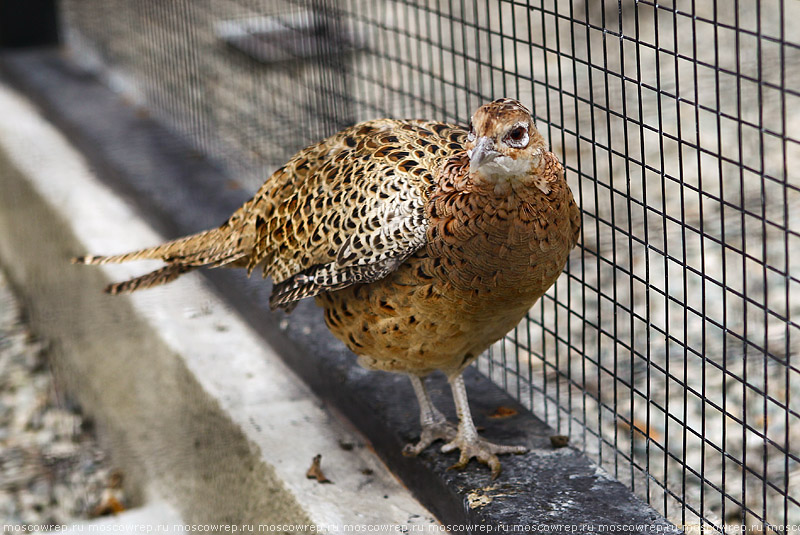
213	248
155	278
175	249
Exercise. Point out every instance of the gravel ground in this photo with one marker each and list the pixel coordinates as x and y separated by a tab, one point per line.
52	470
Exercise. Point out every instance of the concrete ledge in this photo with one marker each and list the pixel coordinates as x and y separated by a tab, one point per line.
177	194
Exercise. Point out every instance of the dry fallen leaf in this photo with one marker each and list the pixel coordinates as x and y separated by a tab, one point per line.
503	412
315	472
112	500
641	430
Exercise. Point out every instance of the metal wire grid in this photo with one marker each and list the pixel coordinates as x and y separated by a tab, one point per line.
170	59
666	350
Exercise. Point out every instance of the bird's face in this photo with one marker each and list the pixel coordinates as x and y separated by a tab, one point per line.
503	143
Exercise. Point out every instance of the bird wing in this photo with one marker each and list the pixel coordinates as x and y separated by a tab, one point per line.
349	209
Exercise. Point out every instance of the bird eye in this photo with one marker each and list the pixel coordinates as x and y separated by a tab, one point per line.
517	137
471	135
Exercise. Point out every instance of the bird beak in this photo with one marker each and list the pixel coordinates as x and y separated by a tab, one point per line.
482	153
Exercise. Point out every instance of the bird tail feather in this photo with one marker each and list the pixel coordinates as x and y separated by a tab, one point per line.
212	248
171	251
158	277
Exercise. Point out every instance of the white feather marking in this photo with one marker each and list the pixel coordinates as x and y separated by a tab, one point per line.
504	168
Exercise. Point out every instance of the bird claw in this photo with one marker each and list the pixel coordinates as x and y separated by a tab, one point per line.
482	450
431	433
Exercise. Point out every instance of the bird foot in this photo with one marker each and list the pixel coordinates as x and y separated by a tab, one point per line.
482	450
440	430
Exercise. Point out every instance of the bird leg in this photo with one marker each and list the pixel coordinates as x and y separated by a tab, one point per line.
467	439
434	424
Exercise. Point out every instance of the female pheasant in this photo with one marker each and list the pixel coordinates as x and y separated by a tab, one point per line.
424	242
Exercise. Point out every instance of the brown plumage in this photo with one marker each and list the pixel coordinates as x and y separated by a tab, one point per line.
424	242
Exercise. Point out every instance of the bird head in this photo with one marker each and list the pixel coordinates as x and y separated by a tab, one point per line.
503	143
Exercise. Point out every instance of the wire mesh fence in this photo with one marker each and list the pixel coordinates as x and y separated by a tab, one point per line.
668	351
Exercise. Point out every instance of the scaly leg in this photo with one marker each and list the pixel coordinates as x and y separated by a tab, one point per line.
467	439
434	424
